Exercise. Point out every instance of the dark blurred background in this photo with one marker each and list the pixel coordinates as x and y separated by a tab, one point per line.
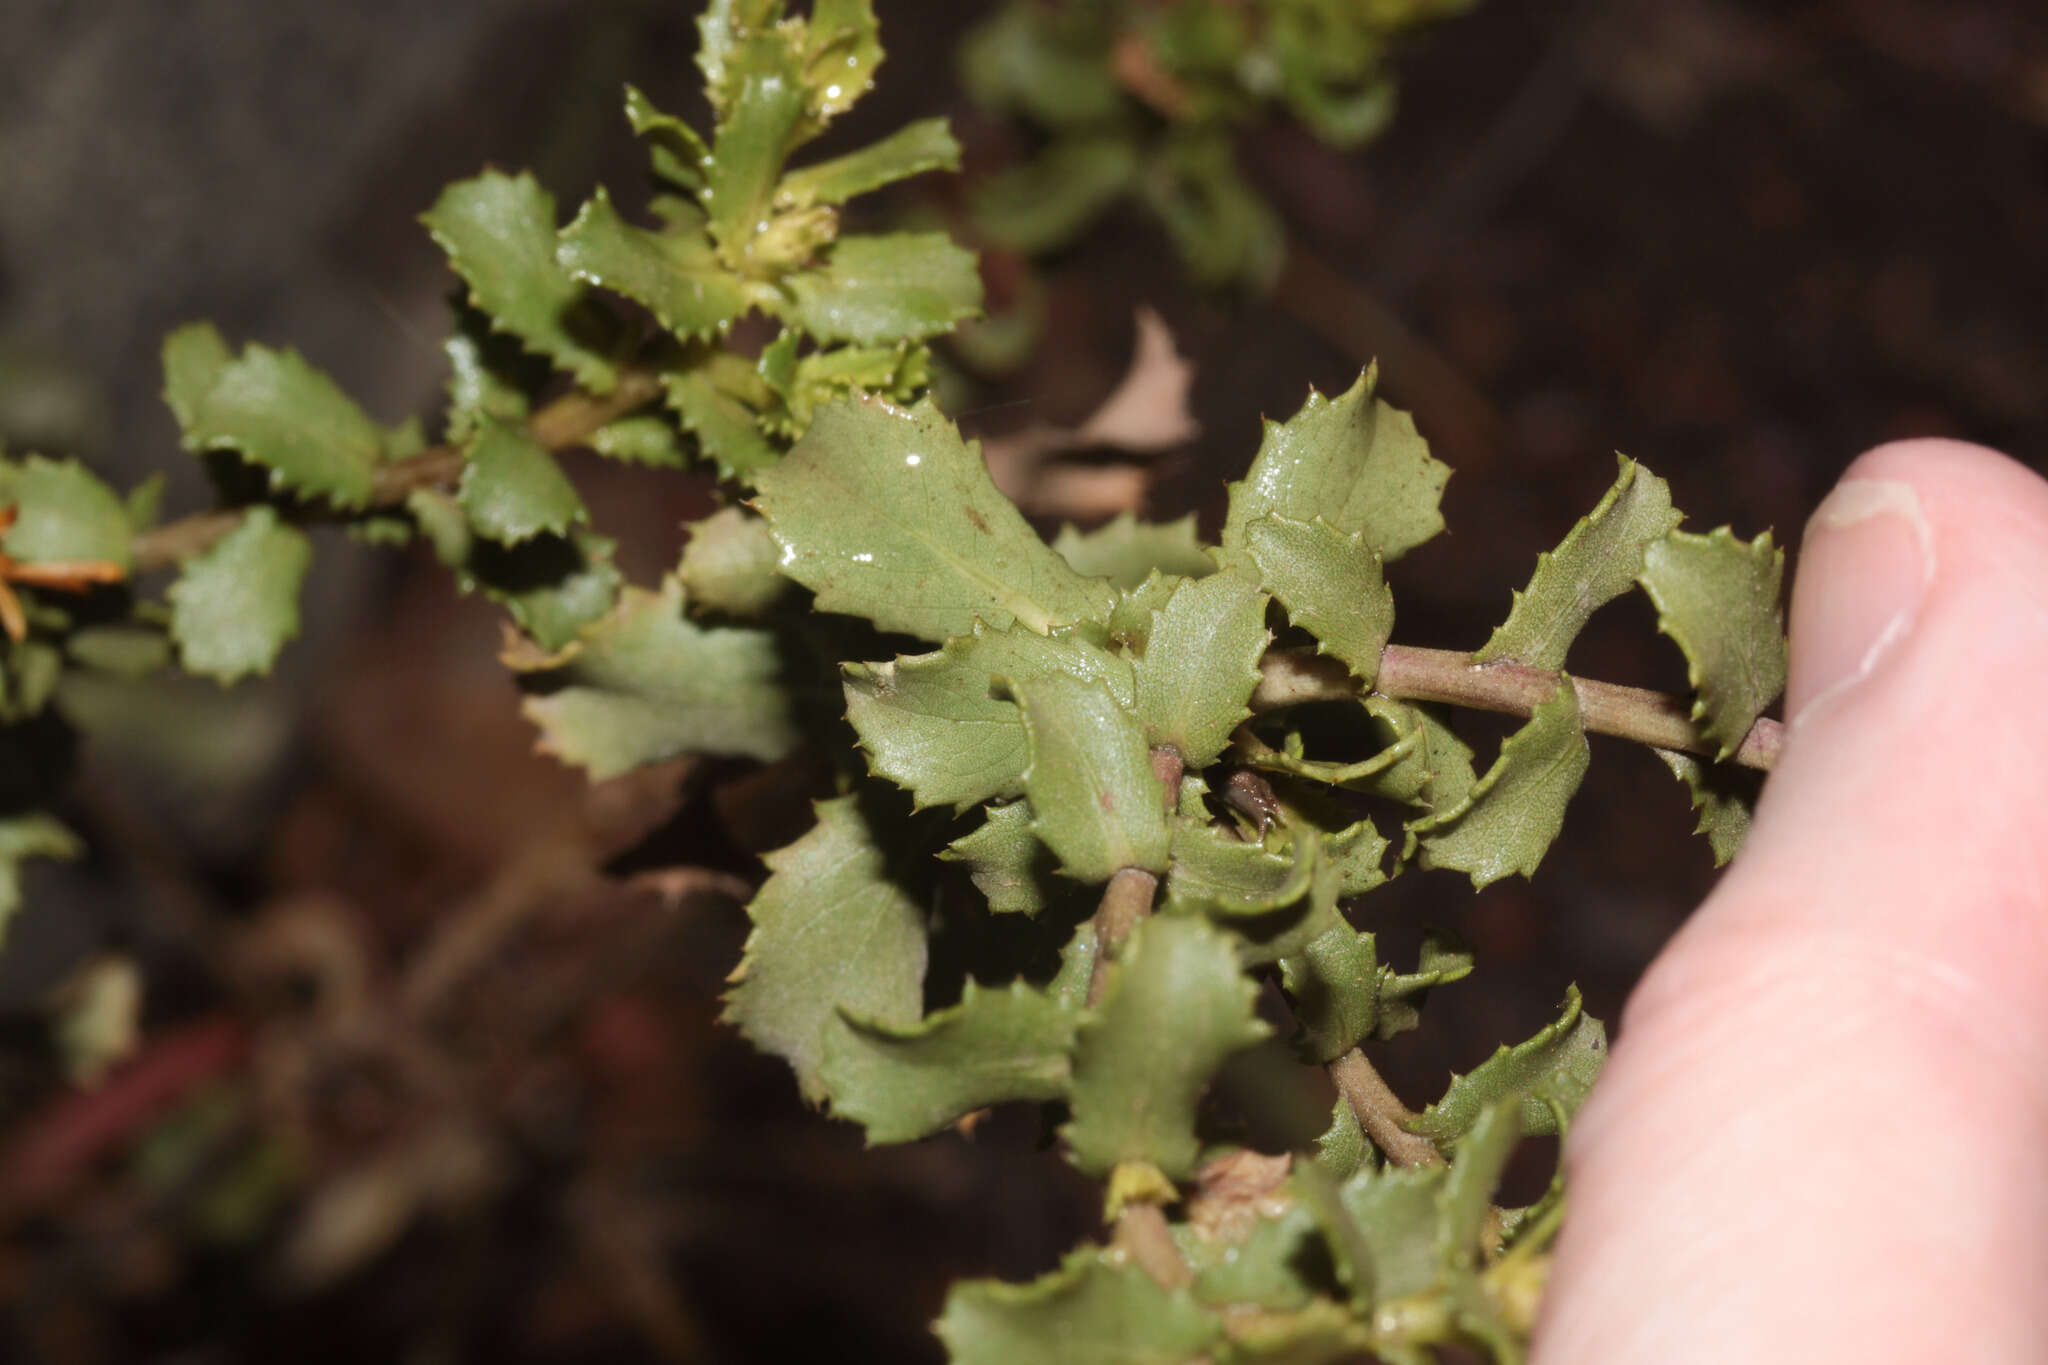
415	1083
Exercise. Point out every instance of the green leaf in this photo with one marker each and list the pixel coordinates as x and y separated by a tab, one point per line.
1353	461
726	428
1598	562
649	684
127	651
193	357
1467	1196
1200	665
1008	864
1334	985
1724	797
648	440
722	30
888	514
1331	585
1127	551
1395	1211
1320	1333
994	1046
935	725
1135	609
1507	822
1176	1006
833	931
1025	59
1343	1149
1443	959
499	234
729	565
62	512
926	145
886	287
761	124
25	835
280	413
676	275
1093	1310
144	504
1222	226
1221	875
898	373
1096	801
236	604
512	490
552	585
1050	200
1267	1267
843	49
489	376
679	155
29	673
1718	598
1550	1074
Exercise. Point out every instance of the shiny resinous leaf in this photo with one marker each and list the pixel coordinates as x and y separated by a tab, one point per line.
832	931
648	684
1176	1006
757	130
727	429
275	409
1507	822
1725	798
936	725
894	287
1200	664
62	513
1598	562
994	1046
1126	551
499	234
512	490
678	153
1331	585
675	274
25	835
1007	863
888	514
728	566
1550	1074
1096	800
236	604
1353	461
926	145
1718	598
1093	1310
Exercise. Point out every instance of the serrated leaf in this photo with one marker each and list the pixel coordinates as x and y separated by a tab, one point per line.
721	31
1509	819
728	565
236	604
1353	461
1334	985
280	413
1135	609
1221	875
499	234
63	512
1724	797
1597	562
552	585
1025	60
1443	959
1394	1210
1320	1333
903	1083
1200	665
1357	856
761	123
1177	1004
1008	864
1549	1075
679	154
1343	1149
25	835
1264	1268
843	48
193	357
489	376
1050	200
647	440
1127	551
1095	799
888	287
512	490
1331	586
726	428
926	145
1091	1311
649	684
936	725
675	275
832	931
888	514
898	373
1467	1195
1718	598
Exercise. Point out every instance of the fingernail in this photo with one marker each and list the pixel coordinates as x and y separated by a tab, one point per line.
1864	568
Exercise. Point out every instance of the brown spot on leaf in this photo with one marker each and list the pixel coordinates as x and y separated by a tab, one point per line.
980	524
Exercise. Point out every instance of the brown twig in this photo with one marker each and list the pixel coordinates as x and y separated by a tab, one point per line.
1290	678
1380	1112
567	421
1126	900
1141	1234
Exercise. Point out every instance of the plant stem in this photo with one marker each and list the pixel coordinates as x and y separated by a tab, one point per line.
1141	1233
1290	678
1380	1112
1126	900
567	421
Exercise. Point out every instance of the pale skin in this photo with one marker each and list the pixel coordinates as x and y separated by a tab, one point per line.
1823	1133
